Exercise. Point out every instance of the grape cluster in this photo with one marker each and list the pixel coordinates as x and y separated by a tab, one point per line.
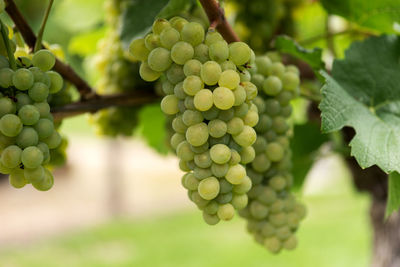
208	95
273	215
27	133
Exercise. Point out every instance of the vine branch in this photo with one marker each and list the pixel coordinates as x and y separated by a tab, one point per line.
30	39
216	16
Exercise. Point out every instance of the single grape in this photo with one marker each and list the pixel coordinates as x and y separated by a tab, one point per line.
272	85
32	157
138	50
169	104
201	53
217	128
152	41
197	134
223	98
203	160
11	156
192	67
159	59
182	52
220	153
240	201
229	79
27	137
57	82
243	187
147	73
226	212
209	188
247	137
219	170
219	51
159	25
44	60
235	126
169	37
38	92
7	106
210	72
34	175
44	128
247	155
203	100
44	109
192	33
6	77
10	125
17	178
239	53
275	152
22	79
46	183
53	141
261	163
210	219
175	74
178	23
192	84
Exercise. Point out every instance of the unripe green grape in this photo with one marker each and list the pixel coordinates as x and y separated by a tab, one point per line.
251	118
239	53
138	50
159	25
228	65
260	104
274	152
268	230
223	98
32	157
189	102
273	244
251	90
199	149
44	128
280	125
17	178
56	82
6	77
239	201
272	85
169	37
53	141
226	212
22	79
243	187
5	170
277	69
261	163
192	84
286	111
217	128
176	139
247	155
235	174
225	186
179	92
284	97
229	79
169	104
300	210
29	115
159	59
264	123
10	125
168	87
46	183
257	79
147	74
40	76
183	166
203	160
212	37
278	219
44	60
191	117
152	41
221	140
38	92
184	152
272	107
7	106
210	72
44	109
34	175
247	137
210	219
209	188
178	23
203	100
178	125
202	173
219	51
235	126
263	63
27	137
241	110
224	198
45	150
219	170
235	157
244	75
226	115
258	210
182	52
11	156
290	81
255	191
290	243
192	33
201	53
212	207
6	141
220	153
277	183
260	145
192	67
197	134
293	69
198	200
191	183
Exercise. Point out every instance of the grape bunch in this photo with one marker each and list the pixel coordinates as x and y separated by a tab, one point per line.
27	133
208	96
273	215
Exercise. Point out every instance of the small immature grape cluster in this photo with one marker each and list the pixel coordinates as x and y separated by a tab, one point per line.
208	95
27	133
273	214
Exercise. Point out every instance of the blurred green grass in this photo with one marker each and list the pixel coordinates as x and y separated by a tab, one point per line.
335	233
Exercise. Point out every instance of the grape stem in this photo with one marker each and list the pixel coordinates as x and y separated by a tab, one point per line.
65	70
216	16
38	43
10	54
131	99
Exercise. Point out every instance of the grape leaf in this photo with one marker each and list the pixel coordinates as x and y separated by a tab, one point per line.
379	15
393	202
306	141
138	16
312	57
364	93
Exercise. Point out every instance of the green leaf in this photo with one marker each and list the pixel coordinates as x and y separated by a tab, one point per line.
306	141
379	14
312	57
364	93
86	43
152	127
393	202
139	15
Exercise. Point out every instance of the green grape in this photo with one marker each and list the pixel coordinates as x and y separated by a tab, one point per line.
263	65
6	76
260	145
53	141
210	72
243	187
241	110
27	137
236	174
147	73
191	183
32	157
268	230
192	33
152	41
225	186
244	75
203	100
203	160
261	163
202	173
235	157
239	53
40	76
277	183
197	134
213	37
226	115
290	243
22	100
201	53
277	69
10	125
6	106
246	137
138	50
251	118
272	107
226	212
168	88
44	60
272	85
169	37
247	155
189	102
192	67
224	198
159	25
210	219
191	117
184	152
223	98
286	111
273	244
11	157
182	52
258	210
212	207
239	201
175	74
251	90
219	51
290	81
280	125
176	139
257	79
34	175
229	79
159	59
169	105
192	84
209	188
22	79
179	92
228	65
17	178
235	126
178	22
220	153
6	141
56	82
46	183
45	150
38	92
178	125
217	128
219	170
44	109
275	152
44	128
